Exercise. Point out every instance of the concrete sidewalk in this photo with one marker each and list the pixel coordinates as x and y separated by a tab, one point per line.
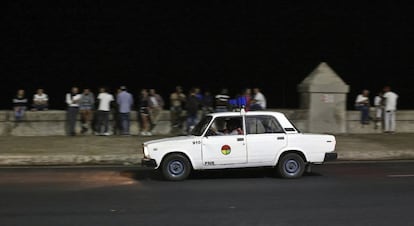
119	150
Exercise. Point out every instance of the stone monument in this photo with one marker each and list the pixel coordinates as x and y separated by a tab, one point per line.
323	93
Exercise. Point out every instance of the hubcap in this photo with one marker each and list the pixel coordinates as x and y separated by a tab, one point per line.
291	166
176	168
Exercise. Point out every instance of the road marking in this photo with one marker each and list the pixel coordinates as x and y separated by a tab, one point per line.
401	175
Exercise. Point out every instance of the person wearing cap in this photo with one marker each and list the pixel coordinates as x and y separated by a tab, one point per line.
125	102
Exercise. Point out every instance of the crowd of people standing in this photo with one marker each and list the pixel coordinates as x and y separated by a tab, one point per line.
196	104
95	111
385	104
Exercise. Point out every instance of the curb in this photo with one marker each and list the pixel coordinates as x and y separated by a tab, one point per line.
53	160
135	159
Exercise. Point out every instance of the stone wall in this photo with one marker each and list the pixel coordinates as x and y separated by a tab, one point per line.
50	123
404	122
53	122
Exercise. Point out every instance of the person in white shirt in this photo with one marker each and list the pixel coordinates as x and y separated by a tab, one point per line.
72	100
362	104
40	100
390	107
156	105
104	107
258	101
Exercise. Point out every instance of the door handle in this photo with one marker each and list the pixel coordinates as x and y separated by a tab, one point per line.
280	138
240	139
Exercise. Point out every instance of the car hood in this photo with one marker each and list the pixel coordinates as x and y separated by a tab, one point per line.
170	140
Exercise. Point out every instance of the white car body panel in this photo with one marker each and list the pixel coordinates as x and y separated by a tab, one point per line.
247	150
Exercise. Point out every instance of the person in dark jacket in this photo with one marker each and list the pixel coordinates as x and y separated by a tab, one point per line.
192	107
19	105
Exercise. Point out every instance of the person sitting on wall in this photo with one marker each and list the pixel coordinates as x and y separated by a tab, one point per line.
362	104
40	100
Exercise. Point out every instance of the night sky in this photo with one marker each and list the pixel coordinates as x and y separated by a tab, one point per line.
210	44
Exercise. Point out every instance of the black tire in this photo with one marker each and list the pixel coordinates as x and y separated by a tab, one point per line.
291	166
175	167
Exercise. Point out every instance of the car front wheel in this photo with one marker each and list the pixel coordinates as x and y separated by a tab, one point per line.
175	167
291	166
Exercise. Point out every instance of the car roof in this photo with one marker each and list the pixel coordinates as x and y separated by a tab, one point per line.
238	113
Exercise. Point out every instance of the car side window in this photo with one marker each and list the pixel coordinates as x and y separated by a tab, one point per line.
272	125
226	126
262	124
217	127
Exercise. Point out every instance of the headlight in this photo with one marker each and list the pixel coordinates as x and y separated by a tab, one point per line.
145	150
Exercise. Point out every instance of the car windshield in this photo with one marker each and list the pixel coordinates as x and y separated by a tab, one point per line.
201	126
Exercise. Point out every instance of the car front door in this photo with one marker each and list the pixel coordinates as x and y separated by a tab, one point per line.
223	148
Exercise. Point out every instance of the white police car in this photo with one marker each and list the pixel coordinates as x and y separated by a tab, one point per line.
240	140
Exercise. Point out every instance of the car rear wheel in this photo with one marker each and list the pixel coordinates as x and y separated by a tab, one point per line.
291	166
175	167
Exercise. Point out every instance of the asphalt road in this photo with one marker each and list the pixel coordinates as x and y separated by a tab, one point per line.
360	193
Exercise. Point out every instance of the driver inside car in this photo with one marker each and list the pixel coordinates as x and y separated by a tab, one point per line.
233	127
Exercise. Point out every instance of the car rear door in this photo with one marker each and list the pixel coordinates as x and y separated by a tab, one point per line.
264	139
